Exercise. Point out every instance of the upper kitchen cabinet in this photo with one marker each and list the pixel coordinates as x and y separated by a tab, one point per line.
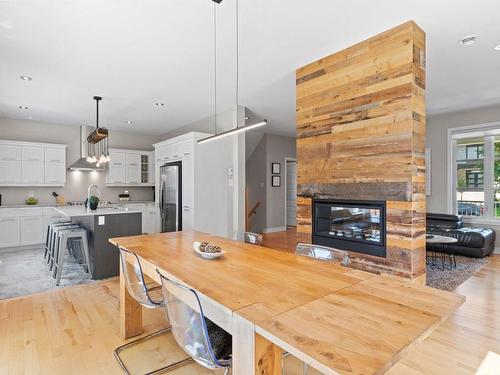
130	168
32	164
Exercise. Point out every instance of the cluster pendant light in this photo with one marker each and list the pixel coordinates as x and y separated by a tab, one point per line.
98	141
237	129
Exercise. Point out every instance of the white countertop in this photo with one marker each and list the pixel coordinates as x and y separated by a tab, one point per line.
55	205
71	211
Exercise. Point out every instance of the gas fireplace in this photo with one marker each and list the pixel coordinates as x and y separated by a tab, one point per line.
357	226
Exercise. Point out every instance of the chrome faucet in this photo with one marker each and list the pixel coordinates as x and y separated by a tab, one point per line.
98	193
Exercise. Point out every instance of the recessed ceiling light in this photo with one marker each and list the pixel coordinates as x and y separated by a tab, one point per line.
468	40
497	47
26	78
130	122
23	107
159	104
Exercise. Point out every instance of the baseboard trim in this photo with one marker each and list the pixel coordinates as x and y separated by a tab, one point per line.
497	250
273	230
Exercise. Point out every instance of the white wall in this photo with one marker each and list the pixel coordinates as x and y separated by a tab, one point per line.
436	140
219	197
76	181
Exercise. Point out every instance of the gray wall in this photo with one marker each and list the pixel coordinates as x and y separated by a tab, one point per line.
436	140
256	184
271	149
76	181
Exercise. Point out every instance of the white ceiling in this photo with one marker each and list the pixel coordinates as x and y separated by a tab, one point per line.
136	53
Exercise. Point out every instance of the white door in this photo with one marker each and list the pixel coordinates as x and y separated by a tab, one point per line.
291	193
9	231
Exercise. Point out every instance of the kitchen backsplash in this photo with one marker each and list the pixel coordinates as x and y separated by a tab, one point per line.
75	190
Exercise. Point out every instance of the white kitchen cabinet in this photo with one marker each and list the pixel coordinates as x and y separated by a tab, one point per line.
10	152
32	172
32	164
10	231
188	192
33	154
55	155
130	168
55	174
10	172
32	230
116	175
133	163
116	171
148	218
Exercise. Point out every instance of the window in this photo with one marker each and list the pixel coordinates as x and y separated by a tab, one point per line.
496	176
476	171
474	179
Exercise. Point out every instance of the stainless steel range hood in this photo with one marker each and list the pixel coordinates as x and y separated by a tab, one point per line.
82	164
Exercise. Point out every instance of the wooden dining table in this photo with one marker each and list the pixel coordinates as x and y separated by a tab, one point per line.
338	320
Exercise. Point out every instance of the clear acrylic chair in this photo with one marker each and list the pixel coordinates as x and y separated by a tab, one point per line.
141	292
253	238
207	343
315	251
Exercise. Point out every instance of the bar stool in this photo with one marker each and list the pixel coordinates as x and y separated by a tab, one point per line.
75	234
48	237
54	244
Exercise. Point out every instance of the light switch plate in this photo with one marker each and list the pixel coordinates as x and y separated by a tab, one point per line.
101	220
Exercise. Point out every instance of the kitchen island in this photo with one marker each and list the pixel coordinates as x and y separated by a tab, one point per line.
102	224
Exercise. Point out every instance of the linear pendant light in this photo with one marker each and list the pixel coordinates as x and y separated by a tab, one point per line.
233	131
237	129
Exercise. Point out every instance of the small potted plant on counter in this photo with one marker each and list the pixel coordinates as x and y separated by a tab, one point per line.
93	202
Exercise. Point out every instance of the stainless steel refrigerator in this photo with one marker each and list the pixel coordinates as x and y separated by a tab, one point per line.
170	195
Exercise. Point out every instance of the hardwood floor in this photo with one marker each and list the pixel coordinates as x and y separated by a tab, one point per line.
461	344
74	330
281	240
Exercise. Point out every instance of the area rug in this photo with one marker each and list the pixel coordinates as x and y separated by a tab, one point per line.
450	279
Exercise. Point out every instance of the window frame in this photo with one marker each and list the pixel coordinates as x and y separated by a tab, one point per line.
487	131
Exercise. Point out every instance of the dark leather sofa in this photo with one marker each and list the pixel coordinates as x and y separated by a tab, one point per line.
472	242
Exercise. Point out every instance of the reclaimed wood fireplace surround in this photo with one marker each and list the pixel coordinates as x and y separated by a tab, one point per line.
361	136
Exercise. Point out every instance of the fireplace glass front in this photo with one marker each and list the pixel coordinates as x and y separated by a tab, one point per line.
350	225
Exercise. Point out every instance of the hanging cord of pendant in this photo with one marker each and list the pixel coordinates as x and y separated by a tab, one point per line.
215	68
237	60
